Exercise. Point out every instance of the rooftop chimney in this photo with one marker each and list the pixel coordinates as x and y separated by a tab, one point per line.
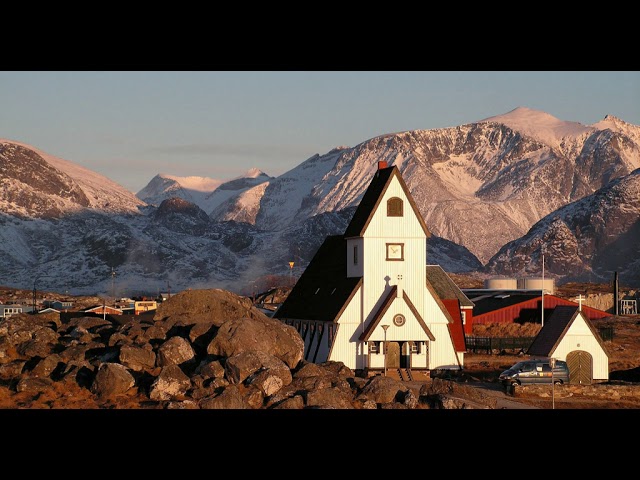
382	164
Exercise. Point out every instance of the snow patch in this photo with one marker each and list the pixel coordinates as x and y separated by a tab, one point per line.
455	173
540	125
198	184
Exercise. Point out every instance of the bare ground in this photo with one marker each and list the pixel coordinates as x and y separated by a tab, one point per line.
622	391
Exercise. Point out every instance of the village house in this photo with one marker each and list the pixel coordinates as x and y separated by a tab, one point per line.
141	306
58	304
7	311
569	335
366	299
104	310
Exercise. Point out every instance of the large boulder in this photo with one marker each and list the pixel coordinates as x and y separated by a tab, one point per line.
230	398
258	334
111	380
171	383
175	351
383	390
241	366
21	328
137	358
212	306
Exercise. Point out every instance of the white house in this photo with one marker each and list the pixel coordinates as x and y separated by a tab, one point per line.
569	335
7	311
365	298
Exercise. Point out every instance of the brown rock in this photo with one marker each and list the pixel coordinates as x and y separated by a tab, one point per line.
239	367
171	383
292	403
174	351
211	306
230	398
45	366
9	371
137	358
261	334
383	389
112	379
332	397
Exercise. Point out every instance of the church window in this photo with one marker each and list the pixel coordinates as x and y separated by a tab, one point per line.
394	207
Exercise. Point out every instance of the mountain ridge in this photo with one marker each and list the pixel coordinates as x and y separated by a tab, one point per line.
479	186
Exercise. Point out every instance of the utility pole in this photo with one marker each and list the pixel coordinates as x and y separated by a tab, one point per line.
35	291
113	285
34	296
542	300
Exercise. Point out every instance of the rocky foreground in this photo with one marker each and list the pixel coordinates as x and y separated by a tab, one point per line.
202	349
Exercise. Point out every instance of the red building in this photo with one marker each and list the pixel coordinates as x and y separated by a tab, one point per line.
519	306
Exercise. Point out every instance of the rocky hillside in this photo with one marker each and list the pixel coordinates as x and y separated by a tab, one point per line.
587	239
202	349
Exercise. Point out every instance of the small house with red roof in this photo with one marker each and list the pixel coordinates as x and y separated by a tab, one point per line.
368	298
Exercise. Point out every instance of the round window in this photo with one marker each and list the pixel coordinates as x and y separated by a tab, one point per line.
399	320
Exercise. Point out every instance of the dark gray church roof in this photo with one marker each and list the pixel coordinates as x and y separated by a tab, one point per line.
555	328
323	289
445	287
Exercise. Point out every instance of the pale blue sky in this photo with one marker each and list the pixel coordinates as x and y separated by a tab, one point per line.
130	126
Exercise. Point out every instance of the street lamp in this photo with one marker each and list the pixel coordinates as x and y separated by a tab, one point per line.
384	348
552	364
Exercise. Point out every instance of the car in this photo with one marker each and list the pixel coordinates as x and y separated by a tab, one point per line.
535	371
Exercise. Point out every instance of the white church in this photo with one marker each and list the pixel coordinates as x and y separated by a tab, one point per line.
367	298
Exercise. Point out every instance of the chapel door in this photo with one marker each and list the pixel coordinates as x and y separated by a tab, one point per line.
393	355
580	365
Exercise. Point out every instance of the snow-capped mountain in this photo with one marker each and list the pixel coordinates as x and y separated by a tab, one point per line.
164	186
205	192
479	186
586	240
36	184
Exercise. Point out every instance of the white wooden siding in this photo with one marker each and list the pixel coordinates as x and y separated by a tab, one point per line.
346	347
432	311
380	275
407	226
376	360
579	337
419	360
441	354
411	330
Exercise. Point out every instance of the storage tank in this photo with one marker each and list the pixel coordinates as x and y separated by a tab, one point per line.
538	283
501	284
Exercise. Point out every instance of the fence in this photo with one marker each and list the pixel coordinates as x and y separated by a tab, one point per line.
489	344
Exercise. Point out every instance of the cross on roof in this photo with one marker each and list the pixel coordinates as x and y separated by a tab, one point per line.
580	298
